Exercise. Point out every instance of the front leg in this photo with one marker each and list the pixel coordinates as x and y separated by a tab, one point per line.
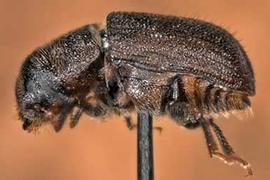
75	116
89	109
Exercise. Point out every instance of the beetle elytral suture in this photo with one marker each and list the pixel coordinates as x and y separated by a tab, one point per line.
182	67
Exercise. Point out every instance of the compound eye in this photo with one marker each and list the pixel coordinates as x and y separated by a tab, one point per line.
26	124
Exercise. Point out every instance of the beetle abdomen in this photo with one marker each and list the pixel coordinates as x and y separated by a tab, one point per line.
181	45
207	98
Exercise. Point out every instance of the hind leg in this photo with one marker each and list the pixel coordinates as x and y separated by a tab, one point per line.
229	156
226	147
182	108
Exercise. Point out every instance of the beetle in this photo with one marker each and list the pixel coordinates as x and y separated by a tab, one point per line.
185	68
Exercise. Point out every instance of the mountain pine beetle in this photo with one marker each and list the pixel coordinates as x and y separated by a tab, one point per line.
182	67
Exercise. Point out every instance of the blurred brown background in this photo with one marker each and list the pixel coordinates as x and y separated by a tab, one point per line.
107	150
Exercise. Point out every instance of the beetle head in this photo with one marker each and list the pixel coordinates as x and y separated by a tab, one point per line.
41	100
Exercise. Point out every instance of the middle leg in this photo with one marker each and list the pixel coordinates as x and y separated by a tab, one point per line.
178	106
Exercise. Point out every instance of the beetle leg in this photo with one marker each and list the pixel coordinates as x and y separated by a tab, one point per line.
230	160
158	128
58	122
210	141
178	106
129	123
226	147
89	109
228	157
94	111
75	116
116	94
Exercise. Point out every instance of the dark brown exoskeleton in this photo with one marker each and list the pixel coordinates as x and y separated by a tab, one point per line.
182	67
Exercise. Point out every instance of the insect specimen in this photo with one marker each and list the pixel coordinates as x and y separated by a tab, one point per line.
182	67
